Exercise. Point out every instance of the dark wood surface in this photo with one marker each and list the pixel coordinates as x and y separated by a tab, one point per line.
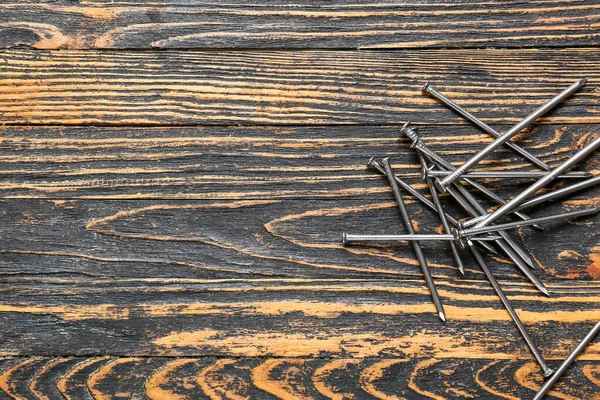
176	177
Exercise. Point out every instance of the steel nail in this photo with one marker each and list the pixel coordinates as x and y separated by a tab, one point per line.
568	361
517	200
418	251
442	163
511	225
442	184
479	210
512	312
559	193
373	163
412	237
482	125
508	174
444	221
553	195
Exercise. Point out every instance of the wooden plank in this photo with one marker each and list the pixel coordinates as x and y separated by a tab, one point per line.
269	279
169	24
288	318
251	163
208	378
309	87
133	240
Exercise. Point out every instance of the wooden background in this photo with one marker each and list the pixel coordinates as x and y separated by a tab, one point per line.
176	176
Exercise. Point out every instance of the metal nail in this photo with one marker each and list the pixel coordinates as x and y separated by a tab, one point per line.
482	125
517	200
517	224
412	237
507	174
479	210
568	361
418	251
511	311
559	193
516	253
442	184
375	164
443	220
443	164
553	195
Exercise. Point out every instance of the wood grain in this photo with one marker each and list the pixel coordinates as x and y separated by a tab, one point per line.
171	220
159	378
252	163
147	278
105	24
253	239
286	88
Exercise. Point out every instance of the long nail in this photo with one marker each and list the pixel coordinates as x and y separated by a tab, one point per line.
470	210
482	125
479	210
553	195
442	184
511	311
442	163
444	221
517	200
441	213
375	164
508	174
411	237
511	225
559	193
568	361
418	251
524	268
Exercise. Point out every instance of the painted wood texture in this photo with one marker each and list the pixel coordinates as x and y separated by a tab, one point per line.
171	220
308	87
106	24
236	163
159	378
206	256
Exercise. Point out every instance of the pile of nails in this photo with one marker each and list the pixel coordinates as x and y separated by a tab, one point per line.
482	228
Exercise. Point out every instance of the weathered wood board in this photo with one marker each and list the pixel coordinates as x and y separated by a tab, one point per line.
106	24
290	88
176	177
159	378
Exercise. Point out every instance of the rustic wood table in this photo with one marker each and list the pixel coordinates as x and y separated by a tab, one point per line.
176	176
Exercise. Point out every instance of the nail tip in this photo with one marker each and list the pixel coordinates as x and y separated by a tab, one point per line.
529	261
442	316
